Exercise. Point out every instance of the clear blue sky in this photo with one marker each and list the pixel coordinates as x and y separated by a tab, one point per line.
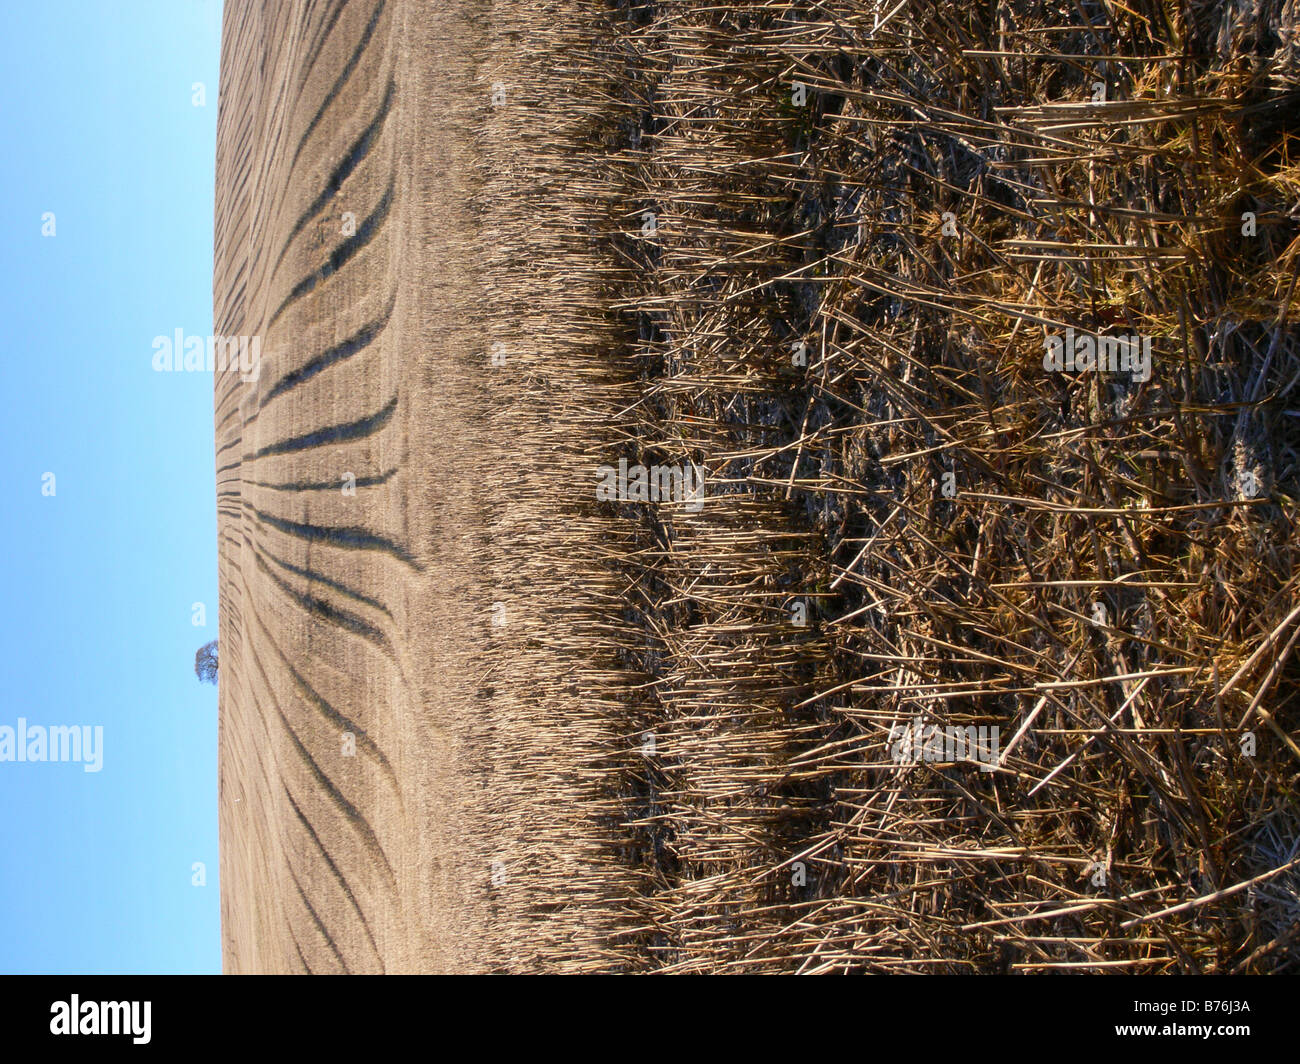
98	127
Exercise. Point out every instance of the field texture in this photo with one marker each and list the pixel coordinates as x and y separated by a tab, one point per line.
977	325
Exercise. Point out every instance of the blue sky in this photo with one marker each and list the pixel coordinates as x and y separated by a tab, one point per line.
98	581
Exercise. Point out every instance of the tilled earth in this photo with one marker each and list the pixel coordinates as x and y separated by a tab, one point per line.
382	636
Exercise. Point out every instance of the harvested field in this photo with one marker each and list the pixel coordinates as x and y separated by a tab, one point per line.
477	716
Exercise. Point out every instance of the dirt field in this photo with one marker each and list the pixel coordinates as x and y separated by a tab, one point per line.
473	718
349	238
